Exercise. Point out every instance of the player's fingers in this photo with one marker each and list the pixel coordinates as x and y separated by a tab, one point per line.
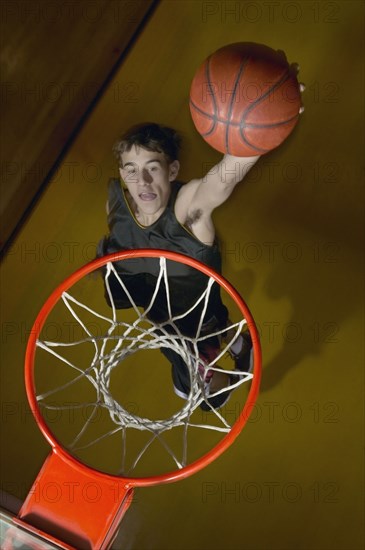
301	86
282	54
301	110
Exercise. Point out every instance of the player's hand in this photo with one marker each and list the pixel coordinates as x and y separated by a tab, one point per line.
295	68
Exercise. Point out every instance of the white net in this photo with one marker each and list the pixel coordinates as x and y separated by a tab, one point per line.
121	339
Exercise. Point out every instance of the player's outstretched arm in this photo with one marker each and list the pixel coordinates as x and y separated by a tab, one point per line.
217	185
230	170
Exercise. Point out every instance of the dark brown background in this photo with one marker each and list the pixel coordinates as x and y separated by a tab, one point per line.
57	58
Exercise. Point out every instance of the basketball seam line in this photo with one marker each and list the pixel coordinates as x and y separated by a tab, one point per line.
242	125
281	81
207	74
274	124
230	109
239	124
255	147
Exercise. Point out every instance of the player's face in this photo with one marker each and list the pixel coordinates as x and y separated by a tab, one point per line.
148	177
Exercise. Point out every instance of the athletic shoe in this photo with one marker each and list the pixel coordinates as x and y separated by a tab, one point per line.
207	355
243	363
244	359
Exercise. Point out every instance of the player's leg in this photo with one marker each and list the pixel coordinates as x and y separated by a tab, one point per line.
241	350
179	372
181	381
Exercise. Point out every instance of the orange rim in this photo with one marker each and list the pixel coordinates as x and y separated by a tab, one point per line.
224	443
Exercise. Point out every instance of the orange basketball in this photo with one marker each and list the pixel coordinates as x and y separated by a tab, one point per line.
245	99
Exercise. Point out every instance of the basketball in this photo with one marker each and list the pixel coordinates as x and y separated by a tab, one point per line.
245	99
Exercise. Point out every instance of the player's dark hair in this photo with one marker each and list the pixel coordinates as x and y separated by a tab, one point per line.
152	137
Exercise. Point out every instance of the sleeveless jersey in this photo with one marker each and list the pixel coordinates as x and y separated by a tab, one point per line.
186	284
166	233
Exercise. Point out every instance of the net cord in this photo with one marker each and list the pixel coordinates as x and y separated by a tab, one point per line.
135	337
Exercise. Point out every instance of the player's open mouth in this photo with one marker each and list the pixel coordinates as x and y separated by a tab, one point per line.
147	196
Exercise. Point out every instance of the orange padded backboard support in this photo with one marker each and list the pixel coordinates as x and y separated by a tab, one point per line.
75	507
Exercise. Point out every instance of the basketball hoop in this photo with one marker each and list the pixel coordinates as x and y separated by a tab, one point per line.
76	517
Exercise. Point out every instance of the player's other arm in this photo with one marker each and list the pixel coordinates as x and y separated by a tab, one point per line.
216	186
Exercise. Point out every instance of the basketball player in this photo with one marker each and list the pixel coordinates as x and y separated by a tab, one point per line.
153	210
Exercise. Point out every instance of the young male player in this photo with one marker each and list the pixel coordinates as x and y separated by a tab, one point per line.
156	211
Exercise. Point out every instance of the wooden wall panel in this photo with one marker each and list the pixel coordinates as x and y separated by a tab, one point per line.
56	59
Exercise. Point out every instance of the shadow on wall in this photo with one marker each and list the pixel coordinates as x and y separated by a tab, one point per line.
321	290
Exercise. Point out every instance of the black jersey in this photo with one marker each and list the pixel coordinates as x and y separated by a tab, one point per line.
166	233
186	284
